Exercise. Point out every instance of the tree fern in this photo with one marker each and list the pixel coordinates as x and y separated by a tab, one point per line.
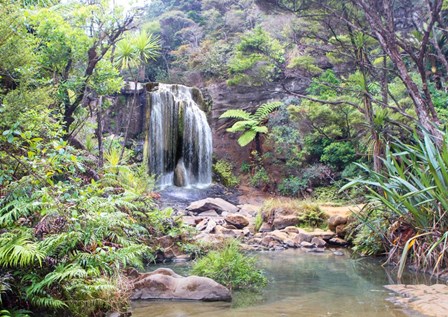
247	137
236	114
250	124
266	109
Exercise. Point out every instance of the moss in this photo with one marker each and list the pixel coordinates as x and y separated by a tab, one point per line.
224	172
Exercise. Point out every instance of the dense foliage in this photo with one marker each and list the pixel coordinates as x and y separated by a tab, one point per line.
70	221
230	267
408	203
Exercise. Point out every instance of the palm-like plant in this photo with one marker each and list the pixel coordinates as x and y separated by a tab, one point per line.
250	124
133	53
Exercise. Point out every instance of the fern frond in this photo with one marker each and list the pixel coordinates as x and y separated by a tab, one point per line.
261	129
247	137
236	114
17	249
240	126
265	109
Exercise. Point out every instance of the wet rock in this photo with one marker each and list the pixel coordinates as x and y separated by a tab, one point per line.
165	284
338	253
270	242
306	244
338	242
182	258
341	230
335	221
291	244
165	241
246	232
217	204
318	242
301	237
427	300
237	220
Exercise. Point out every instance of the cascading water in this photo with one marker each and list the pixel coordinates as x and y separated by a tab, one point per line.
179	139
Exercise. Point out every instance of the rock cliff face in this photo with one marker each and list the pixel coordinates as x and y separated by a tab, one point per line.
220	96
225	97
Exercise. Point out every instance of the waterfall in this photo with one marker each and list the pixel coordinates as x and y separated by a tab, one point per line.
179	139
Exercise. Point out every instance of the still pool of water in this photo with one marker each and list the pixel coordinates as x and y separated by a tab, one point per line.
300	284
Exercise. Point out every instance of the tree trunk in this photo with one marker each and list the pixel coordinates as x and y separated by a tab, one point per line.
131	112
99	131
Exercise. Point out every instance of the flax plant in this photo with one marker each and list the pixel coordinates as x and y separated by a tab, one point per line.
413	188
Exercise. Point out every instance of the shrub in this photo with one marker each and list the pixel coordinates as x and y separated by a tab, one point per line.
308	214
224	171
231	268
260	178
311	216
339	154
292	186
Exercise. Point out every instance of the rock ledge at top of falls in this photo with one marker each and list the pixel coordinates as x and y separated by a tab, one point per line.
428	300
166	284
217	204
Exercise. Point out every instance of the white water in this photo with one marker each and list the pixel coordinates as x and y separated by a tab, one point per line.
179	136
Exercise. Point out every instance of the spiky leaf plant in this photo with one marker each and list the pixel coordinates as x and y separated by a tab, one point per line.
413	189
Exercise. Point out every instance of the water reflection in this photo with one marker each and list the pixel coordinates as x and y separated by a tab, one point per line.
300	284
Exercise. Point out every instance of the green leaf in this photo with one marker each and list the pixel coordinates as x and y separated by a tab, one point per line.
247	137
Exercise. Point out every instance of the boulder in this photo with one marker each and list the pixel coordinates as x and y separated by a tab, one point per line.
306	244
291	230
282	221
281	218
165	284
210	226
217	204
338	242
341	230
209	213
318	242
249	210
335	221
223	231
301	237
237	220
279	236
166	241
265	227
202	225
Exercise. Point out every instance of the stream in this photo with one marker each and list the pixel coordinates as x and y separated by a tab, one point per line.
300	284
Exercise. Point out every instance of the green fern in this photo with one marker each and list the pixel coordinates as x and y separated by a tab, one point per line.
250	124
18	250
236	114
266	109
